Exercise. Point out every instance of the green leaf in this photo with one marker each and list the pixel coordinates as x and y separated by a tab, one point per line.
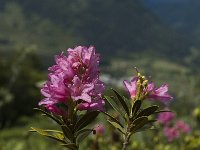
117	126
136	107
161	111
147	126
128	101
148	111
59	136
138	123
112	118
67	132
151	121
70	146
86	119
82	134
122	101
82	131
114	105
49	115
54	131
56	136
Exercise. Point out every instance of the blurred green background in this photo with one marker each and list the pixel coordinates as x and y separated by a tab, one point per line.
160	37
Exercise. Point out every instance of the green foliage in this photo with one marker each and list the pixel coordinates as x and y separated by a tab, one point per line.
30	30
136	119
53	134
73	130
21	139
50	116
86	119
123	102
46	36
18	76
82	134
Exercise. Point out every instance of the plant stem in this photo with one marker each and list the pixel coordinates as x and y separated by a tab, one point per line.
126	141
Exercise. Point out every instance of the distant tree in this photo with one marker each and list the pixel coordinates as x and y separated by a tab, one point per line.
18	90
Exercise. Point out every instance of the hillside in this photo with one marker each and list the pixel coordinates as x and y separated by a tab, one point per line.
182	15
114	27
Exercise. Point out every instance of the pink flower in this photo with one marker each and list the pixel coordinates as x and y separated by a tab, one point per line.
96	104
174	132
62	66
84	62
80	90
171	133
159	93
165	117
54	109
131	87
54	90
149	91
100	129
182	126
76	77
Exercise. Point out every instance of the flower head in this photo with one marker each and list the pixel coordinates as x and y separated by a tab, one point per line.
175	132
171	133
182	126
166	117
131	87
100	129
74	77
140	88
160	93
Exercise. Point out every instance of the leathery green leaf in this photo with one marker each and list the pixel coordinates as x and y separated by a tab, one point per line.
49	115
138	123
112	118
72	146
55	136
86	119
117	126
136	106
82	134
148	111
122	101
161	111
114	105
128	101
67	132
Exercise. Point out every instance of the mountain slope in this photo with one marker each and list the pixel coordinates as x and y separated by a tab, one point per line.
113	26
182	15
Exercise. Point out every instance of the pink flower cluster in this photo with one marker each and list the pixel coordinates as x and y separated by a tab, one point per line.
100	129
150	91
75	76
175	131
166	117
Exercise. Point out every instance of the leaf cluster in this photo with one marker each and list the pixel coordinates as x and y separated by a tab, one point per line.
73	131
134	117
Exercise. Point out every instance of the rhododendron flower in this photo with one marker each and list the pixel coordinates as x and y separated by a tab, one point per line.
165	117
131	87
159	93
80	90
174	132
54	90
182	126
100	129
54	109
147	90
74	77
171	133
96	104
